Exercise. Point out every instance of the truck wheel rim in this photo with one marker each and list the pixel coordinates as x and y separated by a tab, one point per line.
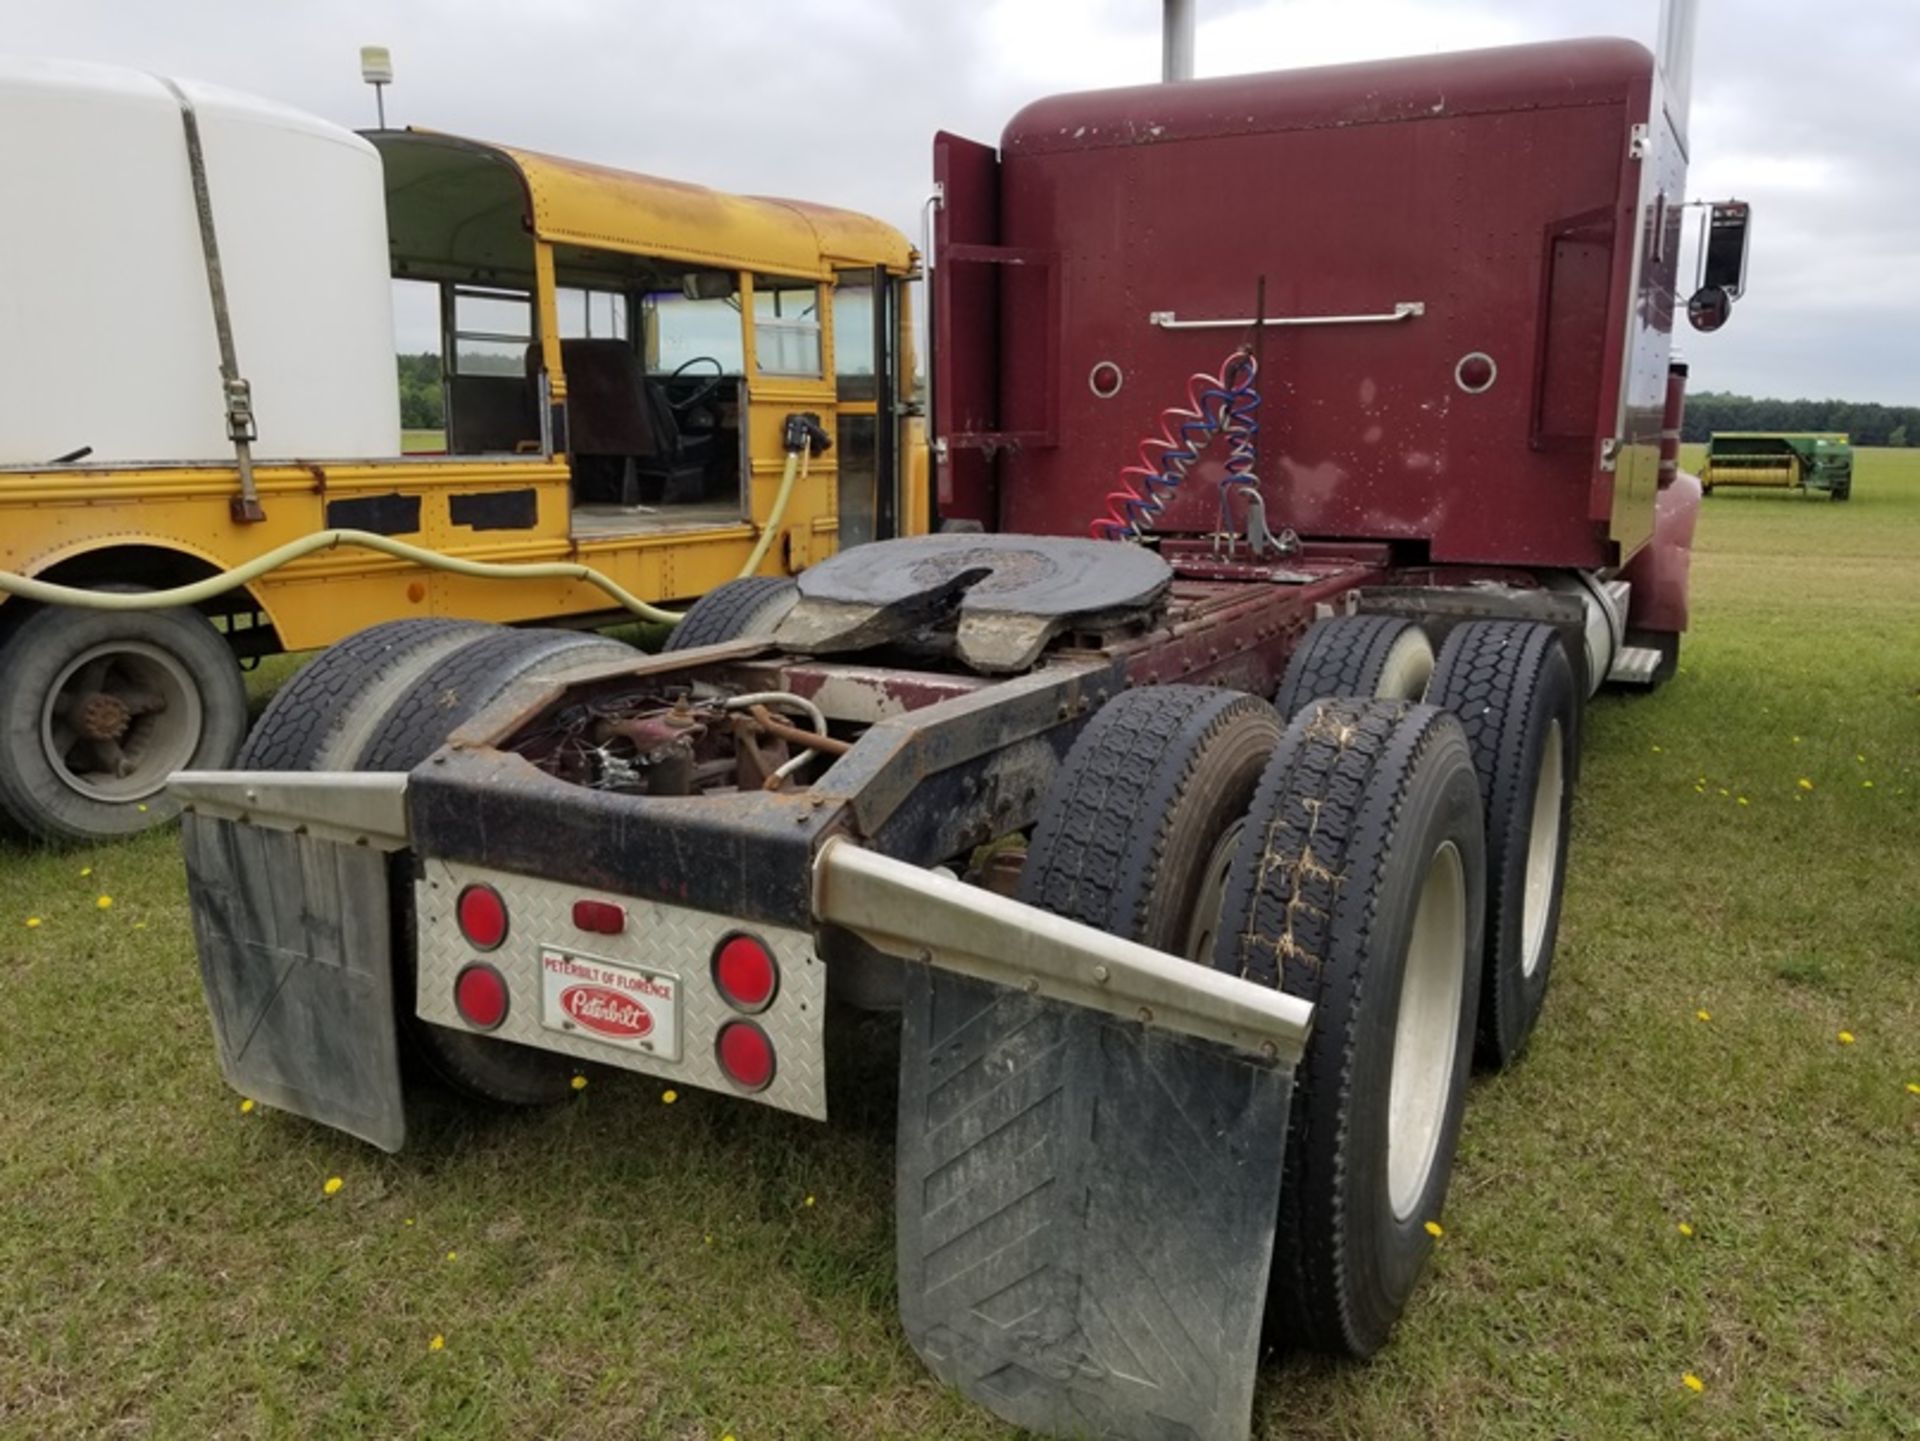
1543	853
1426	1031
1205	925
1408	668
120	719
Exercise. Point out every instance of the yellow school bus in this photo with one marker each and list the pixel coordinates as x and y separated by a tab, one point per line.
619	357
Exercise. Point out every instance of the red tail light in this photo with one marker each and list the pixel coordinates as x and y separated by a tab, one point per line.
601	917
745	1054
745	973
480	995
482	916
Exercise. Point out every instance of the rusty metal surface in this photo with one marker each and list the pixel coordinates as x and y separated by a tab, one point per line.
850	691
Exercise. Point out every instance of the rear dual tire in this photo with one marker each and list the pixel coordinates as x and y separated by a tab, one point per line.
1162	826
1378	656
1512	688
1136	830
1359	885
752	605
386	699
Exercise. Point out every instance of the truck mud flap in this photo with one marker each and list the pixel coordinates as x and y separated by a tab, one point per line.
1085	1212
295	948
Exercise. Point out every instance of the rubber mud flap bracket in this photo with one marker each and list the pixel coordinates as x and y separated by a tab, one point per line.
1086	1212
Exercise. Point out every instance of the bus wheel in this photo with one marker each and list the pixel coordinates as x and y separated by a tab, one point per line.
100	707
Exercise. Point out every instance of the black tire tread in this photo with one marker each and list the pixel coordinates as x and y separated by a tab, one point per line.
456	687
1299	915
1341	656
722	612
1107	823
294	726
439	701
1492	675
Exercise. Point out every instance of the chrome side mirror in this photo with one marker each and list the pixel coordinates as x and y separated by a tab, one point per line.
1708	308
1725	235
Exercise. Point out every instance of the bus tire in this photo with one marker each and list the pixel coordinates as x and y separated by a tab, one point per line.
158	691
1359	885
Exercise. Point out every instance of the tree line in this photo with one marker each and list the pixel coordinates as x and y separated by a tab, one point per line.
1866	422
423	405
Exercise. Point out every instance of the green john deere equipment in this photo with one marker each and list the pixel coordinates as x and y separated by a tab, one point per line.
1781	461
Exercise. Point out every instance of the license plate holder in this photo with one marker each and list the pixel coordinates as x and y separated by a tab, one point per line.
612	1003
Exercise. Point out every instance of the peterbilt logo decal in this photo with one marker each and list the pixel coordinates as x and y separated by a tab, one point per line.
608	1013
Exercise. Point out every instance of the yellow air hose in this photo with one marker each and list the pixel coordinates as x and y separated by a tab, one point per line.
48	593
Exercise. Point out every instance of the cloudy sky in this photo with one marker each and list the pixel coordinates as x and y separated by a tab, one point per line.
1811	111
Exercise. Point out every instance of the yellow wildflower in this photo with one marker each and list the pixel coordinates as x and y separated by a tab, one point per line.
1846	1038
669	1096
1684	1229
1435	1229
1693	1383
246	1106
1743	800
1914	1087
33	923
438	1343
809	1200
105	903
85	871
579	1083
1703	1015
334	1183
1805	784
453	1255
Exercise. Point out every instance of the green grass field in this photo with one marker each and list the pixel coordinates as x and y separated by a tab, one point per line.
1695	1172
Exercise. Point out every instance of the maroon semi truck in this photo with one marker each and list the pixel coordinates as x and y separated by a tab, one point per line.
1198	797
